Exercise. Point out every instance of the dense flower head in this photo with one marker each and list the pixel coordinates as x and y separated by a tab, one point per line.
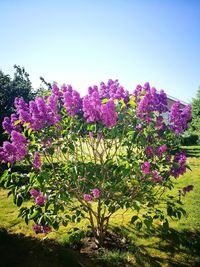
179	164
149	151
14	150
40	200
87	197
46	229
156	178
108	114
38	228
37	161
149	100
9	124
92	106
39	113
179	118
187	189
72	101
146	167
35	193
113	90
96	192
161	150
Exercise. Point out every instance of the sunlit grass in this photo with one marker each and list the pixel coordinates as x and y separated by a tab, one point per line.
178	247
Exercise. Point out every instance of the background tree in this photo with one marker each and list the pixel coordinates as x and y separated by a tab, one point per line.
10	88
196	113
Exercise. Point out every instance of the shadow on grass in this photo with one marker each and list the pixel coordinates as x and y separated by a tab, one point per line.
192	151
173	249
19	250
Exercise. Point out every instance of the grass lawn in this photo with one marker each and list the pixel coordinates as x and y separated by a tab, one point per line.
179	247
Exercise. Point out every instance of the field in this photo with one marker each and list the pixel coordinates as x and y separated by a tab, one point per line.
179	247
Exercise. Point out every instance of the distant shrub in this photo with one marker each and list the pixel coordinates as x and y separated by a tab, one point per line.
190	139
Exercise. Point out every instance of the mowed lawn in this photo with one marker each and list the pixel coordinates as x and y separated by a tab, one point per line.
179	247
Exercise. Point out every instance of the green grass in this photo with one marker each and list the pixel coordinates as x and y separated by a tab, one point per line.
179	247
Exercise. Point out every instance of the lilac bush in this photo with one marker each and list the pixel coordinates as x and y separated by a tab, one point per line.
90	157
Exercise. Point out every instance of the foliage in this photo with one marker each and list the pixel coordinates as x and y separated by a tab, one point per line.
95	155
195	123
189	138
10	88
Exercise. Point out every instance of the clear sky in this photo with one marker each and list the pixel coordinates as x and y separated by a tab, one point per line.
85	42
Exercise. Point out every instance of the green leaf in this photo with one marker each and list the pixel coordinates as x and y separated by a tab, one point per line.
136	205
134	218
50	150
17	122
19	200
71	146
138	225
148	222
34	214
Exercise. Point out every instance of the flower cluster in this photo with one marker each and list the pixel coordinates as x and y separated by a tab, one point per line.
72	101
37	161
14	150
39	198
178	118
149	100
146	168
149	151
9	124
187	189
156	178
38	113
95	194
113	90
179	165
92	105
94	110
38	228
161	150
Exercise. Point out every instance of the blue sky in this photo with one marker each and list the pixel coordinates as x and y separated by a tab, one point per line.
85	42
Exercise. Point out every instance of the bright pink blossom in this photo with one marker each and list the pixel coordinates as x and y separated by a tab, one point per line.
34	192
37	161
40	200
96	192
87	197
146	167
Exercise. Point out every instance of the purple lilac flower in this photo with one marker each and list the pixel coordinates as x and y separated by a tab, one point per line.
159	123
179	163
92	106
149	151
146	167
11	152
40	200
87	197
37	161
37	228
113	90
35	193
156	178
9	124
46	229
149	100
178	118
72	101
168	157
96	192
187	189
108	114
161	150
